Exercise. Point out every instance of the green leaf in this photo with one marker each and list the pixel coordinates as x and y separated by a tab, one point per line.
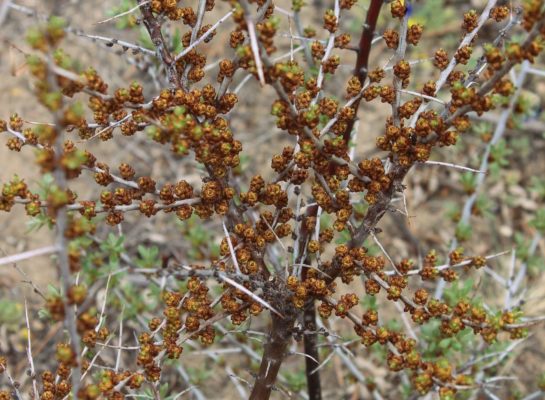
113	247
499	153
45	184
468	181
144	39
458	291
163	390
369	302
148	256
177	45
52	291
457	346
537	186
44	314
539	220
113	243
39	221
124	21
11	313
463	231
344	237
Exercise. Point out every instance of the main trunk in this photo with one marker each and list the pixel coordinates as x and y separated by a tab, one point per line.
273	356
310	340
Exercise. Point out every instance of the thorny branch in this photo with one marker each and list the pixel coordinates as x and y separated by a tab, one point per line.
153	25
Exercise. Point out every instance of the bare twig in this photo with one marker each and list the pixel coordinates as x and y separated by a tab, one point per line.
112	41
252	295
28	254
202	38
455	166
123	13
231	249
29	355
253	41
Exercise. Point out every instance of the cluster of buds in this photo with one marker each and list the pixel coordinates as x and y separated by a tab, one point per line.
239	304
172	324
173	12
313	285
377	182
353	262
51	388
17	189
147	357
267	31
403	355
269	194
345	303
108	381
196	304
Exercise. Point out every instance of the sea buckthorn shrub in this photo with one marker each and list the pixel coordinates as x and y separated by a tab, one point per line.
274	272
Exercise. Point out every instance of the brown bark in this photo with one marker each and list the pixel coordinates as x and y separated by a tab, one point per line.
273	356
364	49
153	27
310	340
